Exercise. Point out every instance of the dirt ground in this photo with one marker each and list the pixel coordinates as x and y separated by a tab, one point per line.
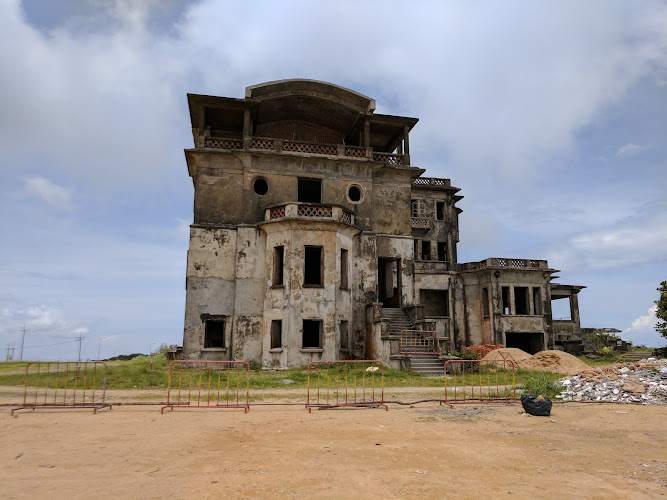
426	451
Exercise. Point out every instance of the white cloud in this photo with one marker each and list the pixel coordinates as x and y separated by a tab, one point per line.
42	319
50	193
630	149
631	241
642	331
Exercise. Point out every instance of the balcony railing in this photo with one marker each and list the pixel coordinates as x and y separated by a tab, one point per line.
507	263
421	223
299	147
316	211
432	181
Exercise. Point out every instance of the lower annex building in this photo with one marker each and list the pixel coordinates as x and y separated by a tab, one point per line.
315	238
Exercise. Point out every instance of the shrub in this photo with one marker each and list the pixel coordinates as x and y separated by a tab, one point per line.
541	384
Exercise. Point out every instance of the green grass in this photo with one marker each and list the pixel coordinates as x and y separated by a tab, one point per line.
137	374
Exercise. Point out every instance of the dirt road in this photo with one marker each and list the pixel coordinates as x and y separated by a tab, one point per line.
589	451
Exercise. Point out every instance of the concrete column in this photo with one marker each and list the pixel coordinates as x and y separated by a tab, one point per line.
574	308
406	140
367	133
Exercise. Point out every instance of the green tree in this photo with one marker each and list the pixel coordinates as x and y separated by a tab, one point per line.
661	313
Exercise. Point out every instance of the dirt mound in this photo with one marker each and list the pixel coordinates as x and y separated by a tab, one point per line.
555	361
511	354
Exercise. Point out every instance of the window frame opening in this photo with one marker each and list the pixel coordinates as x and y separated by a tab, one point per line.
425	250
486	310
214	333
260	186
276	333
311	329
439	210
435	302
505	293
313	256
537	301
442	251
355	194
309	190
521	301
344	271
344	335
279	266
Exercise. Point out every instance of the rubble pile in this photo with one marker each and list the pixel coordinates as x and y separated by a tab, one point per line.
483	350
642	382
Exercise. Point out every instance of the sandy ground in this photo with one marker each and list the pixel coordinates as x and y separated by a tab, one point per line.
426	451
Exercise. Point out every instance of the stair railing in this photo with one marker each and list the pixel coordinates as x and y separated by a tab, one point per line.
419	342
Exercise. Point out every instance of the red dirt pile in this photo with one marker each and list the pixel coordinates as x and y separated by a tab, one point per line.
482	350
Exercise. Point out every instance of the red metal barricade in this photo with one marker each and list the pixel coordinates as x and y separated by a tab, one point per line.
479	381
335	384
64	385
419	342
208	384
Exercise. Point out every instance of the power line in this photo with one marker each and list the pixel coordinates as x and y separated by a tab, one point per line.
49	345
22	340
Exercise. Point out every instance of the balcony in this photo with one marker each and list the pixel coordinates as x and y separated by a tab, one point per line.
299	147
309	211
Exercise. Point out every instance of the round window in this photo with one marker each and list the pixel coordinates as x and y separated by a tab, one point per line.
354	193
260	186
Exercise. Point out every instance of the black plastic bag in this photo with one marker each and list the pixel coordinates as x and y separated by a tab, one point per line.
538	406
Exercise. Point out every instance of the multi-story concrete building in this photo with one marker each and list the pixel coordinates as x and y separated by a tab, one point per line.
315	238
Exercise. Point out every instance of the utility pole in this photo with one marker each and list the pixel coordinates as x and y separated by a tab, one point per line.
22	339
99	347
80	338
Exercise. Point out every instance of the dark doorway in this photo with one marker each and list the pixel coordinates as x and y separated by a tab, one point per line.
389	282
529	342
310	190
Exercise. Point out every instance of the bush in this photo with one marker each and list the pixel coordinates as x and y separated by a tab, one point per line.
541	384
469	354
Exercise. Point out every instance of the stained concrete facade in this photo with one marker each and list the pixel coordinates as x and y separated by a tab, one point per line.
310	220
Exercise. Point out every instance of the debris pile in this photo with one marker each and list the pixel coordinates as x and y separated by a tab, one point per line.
642	382
482	350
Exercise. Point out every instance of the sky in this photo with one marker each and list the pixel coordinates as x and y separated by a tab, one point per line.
550	116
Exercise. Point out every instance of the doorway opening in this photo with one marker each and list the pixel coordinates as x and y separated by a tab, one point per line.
389	282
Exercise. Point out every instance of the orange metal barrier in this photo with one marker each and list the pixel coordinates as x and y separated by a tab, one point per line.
479	381
208	384
64	385
419	342
337	384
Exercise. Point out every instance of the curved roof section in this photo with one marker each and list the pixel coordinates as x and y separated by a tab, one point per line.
325	104
280	89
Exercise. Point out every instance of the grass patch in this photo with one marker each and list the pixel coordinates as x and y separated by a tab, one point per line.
541	383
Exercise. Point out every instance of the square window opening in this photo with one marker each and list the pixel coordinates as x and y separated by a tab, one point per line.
310	190
214	333
312	269
436	302
311	338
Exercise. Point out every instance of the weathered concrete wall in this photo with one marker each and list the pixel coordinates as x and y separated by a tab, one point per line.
294	302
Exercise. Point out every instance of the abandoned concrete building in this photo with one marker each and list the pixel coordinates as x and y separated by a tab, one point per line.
315	238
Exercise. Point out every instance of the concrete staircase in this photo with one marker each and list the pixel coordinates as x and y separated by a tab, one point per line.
398	320
635	356
423	364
